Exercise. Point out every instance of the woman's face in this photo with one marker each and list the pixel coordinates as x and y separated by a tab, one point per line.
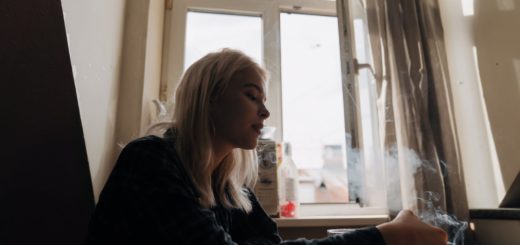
239	113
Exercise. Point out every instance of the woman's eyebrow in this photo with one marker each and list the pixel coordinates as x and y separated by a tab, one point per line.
254	86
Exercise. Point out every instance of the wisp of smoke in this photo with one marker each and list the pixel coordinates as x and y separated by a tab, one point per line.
400	166
438	217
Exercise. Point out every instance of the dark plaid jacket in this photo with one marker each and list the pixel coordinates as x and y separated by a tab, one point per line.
149	199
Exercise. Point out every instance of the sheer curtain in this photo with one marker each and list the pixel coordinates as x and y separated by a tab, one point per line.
417	136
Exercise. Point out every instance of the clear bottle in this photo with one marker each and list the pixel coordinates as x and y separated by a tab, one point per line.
289	180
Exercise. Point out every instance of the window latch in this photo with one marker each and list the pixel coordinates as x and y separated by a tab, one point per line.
358	66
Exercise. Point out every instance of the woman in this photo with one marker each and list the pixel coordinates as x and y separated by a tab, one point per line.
193	186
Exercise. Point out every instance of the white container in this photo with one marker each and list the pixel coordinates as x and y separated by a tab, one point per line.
266	188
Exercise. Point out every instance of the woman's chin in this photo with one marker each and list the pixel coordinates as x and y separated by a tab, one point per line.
249	145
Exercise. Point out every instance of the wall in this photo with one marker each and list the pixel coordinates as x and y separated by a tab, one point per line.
45	185
153	59
140	68
115	49
497	39
482	47
94	32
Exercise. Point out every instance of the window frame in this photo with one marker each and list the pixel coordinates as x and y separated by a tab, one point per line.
269	11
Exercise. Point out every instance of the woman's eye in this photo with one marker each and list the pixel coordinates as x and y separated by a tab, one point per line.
252	97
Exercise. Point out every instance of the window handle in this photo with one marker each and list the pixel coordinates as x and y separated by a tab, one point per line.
358	66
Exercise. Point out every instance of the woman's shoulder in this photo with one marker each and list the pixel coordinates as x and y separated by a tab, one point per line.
151	146
149	153
151	160
150	142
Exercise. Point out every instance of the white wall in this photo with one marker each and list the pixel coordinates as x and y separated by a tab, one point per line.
153	59
140	68
115	49
95	31
497	38
482	40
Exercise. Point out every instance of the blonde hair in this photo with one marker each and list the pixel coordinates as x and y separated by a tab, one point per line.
204	81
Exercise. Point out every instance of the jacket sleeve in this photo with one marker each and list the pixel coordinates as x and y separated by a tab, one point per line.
261	229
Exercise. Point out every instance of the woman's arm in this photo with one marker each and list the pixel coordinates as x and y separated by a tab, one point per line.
258	228
407	229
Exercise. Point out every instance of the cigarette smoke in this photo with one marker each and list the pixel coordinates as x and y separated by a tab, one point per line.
401	166
437	217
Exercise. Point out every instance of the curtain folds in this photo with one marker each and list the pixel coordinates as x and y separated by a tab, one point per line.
416	128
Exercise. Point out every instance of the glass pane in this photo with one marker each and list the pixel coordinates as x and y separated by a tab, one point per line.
372	174
312	99
208	32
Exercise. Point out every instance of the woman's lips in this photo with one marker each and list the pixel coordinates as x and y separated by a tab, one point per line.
258	128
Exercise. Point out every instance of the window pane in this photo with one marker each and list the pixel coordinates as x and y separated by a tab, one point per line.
312	99
208	32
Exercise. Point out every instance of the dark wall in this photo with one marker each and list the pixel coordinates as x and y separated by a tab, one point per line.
45	188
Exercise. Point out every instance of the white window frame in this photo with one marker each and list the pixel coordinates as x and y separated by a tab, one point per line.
269	10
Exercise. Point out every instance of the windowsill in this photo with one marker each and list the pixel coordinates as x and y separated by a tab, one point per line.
337	209
333	221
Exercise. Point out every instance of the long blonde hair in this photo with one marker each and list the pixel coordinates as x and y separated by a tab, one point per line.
203	82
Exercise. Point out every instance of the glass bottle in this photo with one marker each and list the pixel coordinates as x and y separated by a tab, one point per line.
289	204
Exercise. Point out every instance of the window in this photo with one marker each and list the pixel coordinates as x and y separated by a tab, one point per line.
312	95
297	41
208	32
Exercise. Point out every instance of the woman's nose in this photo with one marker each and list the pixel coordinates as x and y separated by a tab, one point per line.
264	113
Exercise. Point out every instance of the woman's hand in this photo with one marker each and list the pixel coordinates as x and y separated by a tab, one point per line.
407	229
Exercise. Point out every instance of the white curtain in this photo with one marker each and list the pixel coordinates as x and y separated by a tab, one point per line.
417	144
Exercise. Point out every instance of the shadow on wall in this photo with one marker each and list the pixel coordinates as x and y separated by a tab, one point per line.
45	188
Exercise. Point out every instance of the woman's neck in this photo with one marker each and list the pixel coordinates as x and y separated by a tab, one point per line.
219	154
